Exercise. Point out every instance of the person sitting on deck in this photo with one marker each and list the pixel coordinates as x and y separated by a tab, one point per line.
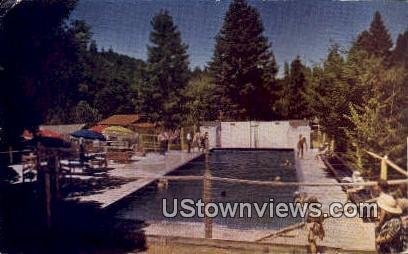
390	232
355	178
324	151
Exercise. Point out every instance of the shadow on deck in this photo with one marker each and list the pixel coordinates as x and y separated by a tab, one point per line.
75	227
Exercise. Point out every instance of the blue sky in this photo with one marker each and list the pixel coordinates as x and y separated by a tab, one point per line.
294	27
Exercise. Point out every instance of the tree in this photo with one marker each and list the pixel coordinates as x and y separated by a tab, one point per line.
243	66
297	105
110	81
281	104
377	121
329	94
68	72
377	40
32	62
200	103
84	113
166	73
115	98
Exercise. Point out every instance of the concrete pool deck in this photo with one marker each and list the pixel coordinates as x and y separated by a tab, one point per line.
137	175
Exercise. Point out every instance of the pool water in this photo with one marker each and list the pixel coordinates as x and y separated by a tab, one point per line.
264	165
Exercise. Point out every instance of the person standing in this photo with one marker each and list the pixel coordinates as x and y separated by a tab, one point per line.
196	140
206	142
189	140
202	142
162	144
166	141
314	225
301	145
390	232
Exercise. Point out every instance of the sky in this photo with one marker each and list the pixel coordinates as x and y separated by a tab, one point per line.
304	28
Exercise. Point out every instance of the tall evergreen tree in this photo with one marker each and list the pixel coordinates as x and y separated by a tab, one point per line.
377	40
297	84
167	72
243	66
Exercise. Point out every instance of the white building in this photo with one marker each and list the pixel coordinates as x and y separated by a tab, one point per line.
254	134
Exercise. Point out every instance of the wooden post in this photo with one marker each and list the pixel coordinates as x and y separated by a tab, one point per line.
56	175
47	191
384	168
182	139
141	146
207	198
51	184
11	154
168	145
44	177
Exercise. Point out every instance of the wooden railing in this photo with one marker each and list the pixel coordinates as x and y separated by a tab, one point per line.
385	162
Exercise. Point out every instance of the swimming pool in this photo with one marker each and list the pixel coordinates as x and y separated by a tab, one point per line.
265	165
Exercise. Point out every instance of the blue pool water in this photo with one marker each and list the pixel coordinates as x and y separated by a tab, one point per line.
264	165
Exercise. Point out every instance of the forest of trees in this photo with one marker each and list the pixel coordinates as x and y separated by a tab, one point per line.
52	71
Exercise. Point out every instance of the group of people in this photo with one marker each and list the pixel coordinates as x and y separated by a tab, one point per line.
166	137
199	141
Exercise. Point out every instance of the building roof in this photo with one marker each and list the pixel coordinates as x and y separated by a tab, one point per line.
99	128
120	120
63	128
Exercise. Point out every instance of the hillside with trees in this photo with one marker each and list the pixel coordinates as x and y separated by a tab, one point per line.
52	71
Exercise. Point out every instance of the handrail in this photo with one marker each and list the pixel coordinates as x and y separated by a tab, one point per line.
384	162
397	168
269	183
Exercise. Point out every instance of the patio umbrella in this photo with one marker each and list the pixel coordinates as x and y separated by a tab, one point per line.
118	131
88	134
